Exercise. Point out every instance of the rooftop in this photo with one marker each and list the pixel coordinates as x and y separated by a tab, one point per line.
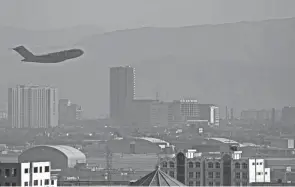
157	178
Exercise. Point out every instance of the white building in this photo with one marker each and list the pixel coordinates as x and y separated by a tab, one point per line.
258	171
32	106
214	115
27	174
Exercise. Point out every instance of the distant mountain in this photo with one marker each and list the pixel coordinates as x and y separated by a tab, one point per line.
242	65
44	40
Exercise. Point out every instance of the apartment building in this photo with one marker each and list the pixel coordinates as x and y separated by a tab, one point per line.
27	174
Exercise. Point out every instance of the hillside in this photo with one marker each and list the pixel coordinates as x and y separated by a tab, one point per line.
243	65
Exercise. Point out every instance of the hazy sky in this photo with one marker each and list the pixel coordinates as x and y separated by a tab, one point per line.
121	14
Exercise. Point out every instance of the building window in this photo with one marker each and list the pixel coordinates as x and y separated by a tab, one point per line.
217	175
47	168
253	164
171	173
244	184
210	175
35	182
52	182
237	165
260	163
46	182
198	183
191	175
245	175
13	184
217	183
238	175
245	166
164	165
40	182
238	183
210	183
7	173
26	170
40	169
217	165
190	165
26	184
171	164
35	169
0	172
198	175
210	165
13	172
258	173
198	164
190	183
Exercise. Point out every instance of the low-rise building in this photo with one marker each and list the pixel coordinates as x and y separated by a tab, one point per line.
27	174
207	169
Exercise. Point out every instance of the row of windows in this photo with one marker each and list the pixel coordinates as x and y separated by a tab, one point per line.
8	172
211	175
8	184
210	165
197	176
261	173
244	175
257	163
196	183
46	169
36	182
238	165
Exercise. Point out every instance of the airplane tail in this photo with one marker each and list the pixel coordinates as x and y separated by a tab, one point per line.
23	52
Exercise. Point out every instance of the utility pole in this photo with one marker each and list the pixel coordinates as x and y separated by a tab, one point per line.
109	164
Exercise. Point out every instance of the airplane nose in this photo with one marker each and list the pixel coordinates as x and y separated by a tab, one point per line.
81	52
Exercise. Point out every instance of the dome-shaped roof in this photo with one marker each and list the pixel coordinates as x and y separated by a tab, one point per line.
157	178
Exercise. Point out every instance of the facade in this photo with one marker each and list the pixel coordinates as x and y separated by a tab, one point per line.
258	171
261	115
174	114
159	114
60	156
288	115
63	110
141	112
27	174
214	115
31	106
122	92
211	169
189	108
69	112
148	112
210	113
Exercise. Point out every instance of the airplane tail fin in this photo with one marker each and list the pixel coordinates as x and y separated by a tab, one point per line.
23	52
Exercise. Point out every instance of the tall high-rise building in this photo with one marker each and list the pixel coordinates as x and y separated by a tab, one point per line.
32	106
122	92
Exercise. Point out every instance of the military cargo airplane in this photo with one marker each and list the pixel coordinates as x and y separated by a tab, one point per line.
48	58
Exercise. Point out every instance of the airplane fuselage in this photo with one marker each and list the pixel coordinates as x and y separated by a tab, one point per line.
55	57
